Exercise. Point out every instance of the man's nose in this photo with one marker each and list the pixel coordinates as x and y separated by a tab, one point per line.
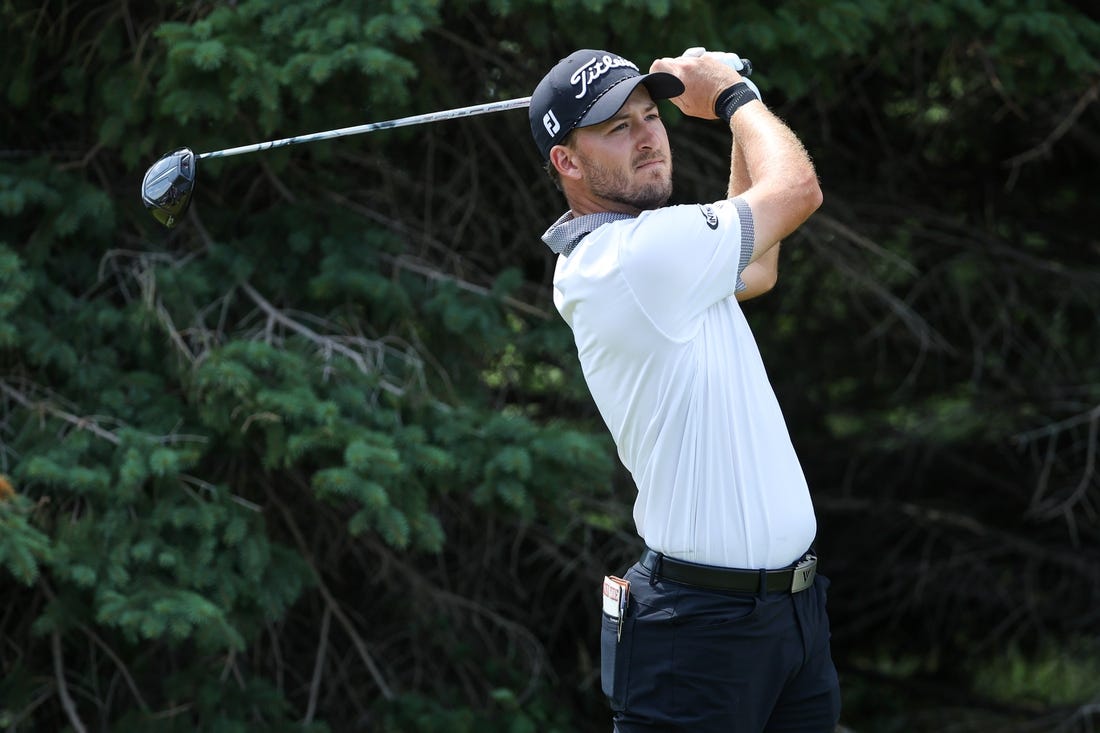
647	136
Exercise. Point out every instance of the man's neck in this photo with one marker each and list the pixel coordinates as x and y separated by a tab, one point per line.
580	206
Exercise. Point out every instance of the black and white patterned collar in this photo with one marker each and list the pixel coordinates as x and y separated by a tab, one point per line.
567	232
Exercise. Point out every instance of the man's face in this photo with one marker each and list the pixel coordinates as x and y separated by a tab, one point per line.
626	159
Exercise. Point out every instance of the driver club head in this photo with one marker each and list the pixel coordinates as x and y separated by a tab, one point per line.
167	186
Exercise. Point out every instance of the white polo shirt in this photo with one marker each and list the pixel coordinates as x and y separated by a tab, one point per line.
677	377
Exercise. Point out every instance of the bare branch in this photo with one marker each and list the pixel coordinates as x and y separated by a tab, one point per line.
62	686
406	262
89	423
81	423
120	664
968	525
318	666
327	344
330	601
1043	149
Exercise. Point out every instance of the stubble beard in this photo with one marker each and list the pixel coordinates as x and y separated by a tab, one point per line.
614	184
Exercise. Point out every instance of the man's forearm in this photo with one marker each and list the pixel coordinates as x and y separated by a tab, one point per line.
783	190
739	172
770	152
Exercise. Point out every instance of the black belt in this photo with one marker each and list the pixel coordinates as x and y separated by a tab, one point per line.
798	577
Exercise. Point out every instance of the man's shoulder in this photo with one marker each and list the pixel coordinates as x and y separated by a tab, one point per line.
653	226
569	230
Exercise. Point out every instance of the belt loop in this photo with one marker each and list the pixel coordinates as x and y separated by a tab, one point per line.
656	570
763	584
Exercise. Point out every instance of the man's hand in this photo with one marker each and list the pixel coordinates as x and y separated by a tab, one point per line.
740	65
704	78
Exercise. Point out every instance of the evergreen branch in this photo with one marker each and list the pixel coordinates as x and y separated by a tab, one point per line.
330	601
109	652
144	272
212	490
174	334
62	687
327	344
147	281
89	423
405	262
81	423
111	255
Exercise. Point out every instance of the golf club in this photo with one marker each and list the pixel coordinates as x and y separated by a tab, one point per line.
168	184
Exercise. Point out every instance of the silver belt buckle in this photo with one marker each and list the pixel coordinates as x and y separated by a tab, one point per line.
804	572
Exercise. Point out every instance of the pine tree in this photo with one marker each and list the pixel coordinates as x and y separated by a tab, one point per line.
322	457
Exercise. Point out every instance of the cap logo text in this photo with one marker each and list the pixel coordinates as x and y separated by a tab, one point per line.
550	122
596	68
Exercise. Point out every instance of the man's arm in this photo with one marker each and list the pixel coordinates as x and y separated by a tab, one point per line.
760	276
783	190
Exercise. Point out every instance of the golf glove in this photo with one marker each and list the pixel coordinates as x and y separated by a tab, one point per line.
735	62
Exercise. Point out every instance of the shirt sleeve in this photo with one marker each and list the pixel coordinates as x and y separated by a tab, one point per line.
681	260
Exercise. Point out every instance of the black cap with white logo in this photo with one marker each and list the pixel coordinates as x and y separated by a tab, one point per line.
586	88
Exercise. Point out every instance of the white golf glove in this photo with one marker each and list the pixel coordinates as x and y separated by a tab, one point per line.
732	60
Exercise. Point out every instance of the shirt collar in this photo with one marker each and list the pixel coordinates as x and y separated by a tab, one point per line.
567	232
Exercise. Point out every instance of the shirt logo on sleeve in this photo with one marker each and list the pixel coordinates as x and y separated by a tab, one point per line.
711	217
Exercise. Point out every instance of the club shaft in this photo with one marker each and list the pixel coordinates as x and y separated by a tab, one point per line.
449	114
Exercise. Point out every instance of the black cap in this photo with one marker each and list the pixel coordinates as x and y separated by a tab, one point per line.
586	88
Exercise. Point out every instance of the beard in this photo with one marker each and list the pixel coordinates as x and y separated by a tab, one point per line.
614	184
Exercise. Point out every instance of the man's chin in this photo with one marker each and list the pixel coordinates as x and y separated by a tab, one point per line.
654	198
643	198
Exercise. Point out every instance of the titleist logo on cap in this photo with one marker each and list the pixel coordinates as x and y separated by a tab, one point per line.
586	88
596	68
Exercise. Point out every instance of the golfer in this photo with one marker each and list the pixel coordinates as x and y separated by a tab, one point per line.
721	624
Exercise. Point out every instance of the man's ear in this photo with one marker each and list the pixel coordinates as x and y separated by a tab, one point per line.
565	161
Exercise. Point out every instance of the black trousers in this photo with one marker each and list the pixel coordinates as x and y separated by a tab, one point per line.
690	659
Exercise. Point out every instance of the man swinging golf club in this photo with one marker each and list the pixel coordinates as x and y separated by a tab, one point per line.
721	625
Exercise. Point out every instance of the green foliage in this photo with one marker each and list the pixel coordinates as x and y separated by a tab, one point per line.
260	54
23	548
323	453
1057	675
419	714
14	287
66	205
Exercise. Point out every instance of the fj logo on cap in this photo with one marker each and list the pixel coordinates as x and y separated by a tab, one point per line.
550	122
596	68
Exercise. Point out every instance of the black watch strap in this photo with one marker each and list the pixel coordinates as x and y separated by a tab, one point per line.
732	99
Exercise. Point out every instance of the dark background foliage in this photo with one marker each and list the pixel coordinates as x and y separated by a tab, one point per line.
321	457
